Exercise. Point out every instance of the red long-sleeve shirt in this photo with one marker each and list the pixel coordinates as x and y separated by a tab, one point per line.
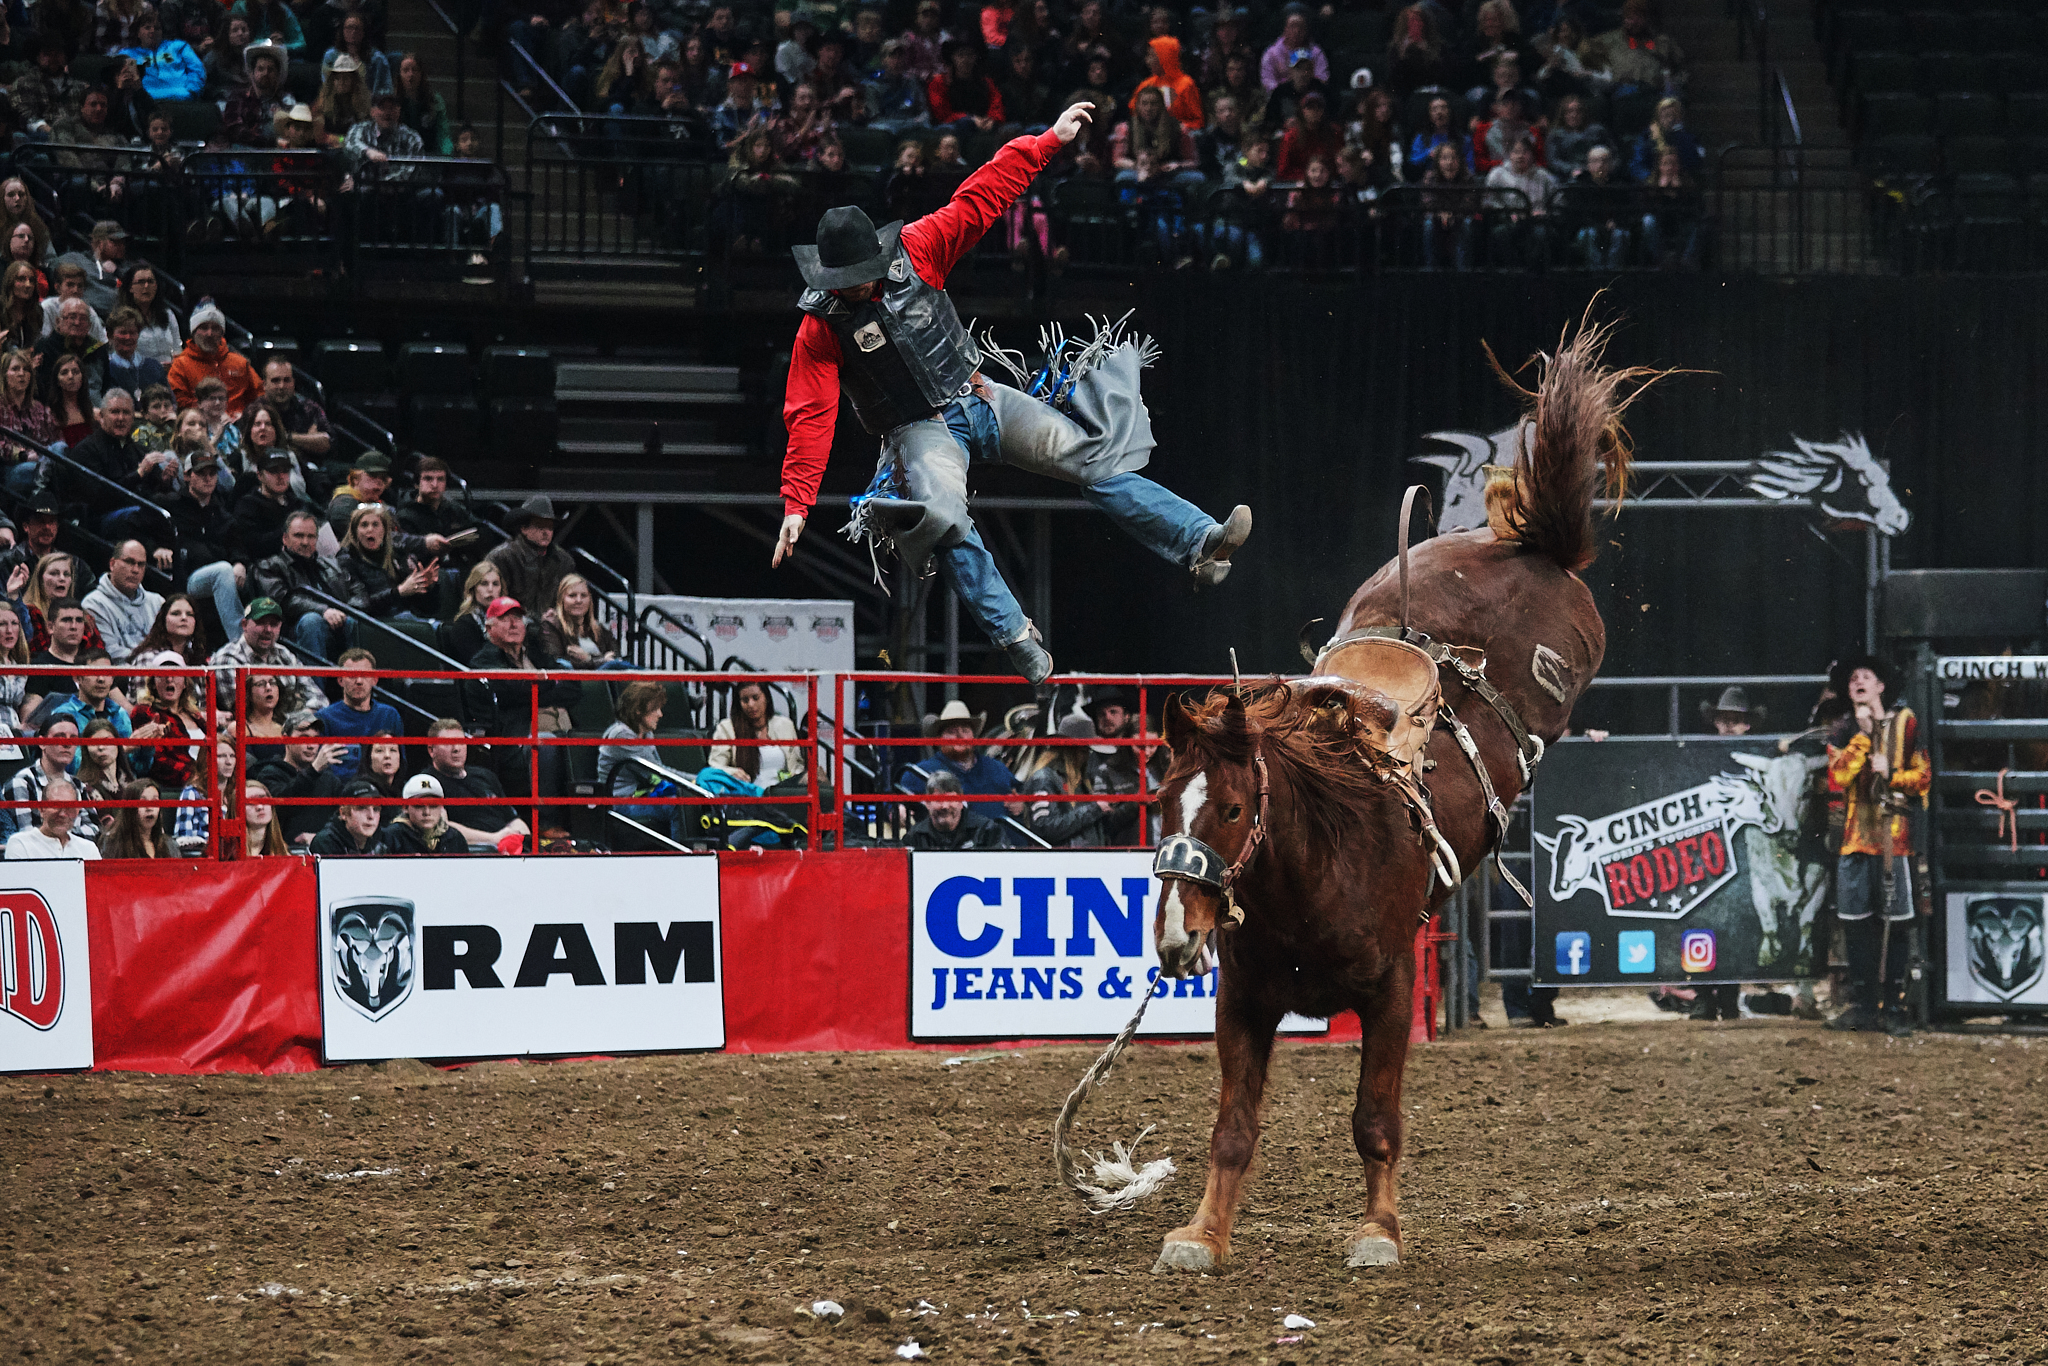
935	244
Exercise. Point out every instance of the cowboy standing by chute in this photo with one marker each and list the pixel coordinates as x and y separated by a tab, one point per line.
879	326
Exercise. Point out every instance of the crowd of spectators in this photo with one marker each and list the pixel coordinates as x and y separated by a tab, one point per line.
224	529
294	101
1225	138
1089	764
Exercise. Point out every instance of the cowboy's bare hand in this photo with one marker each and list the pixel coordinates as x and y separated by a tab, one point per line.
785	544
1073	121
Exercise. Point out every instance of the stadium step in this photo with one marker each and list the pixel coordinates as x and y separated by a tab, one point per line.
640	420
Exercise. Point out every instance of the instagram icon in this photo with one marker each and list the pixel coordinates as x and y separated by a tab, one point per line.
1696	951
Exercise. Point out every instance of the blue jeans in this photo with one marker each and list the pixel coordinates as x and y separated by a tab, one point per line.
311	633
1859	887
217	581
1603	248
1155	517
22	479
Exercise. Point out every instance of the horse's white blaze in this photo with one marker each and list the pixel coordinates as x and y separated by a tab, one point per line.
1193	798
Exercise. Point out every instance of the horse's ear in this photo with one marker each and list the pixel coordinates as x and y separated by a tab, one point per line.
1178	725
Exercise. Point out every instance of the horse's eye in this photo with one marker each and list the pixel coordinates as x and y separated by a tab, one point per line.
1232	812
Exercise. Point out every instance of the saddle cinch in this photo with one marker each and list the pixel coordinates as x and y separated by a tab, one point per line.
1401	691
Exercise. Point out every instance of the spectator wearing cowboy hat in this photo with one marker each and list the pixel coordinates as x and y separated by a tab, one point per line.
1731	713
1058	771
1875	760
424	828
948	824
530	565
1113	769
979	775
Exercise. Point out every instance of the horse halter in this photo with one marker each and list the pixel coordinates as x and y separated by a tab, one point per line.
1187	859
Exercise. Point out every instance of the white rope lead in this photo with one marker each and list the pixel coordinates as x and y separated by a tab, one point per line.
1119	1183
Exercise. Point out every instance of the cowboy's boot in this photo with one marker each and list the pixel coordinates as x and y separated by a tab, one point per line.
1226	538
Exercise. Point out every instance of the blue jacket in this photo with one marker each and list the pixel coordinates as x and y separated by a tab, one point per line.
172	71
342	720
135	375
986	777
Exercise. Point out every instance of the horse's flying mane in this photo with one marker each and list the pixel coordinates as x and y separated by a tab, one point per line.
1311	737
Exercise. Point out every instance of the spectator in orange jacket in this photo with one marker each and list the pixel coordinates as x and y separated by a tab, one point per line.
208	353
1183	99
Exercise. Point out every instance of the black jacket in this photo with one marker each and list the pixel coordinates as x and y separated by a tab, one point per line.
286	780
205	532
504	706
257	530
445	519
111	459
291	580
380	590
400	838
335	841
973	832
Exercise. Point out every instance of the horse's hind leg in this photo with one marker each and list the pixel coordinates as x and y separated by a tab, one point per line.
1244	1048
1376	1122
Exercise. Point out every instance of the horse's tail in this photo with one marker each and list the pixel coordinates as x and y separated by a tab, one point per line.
1576	445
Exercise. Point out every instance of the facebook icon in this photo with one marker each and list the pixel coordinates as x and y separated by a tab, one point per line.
1574	953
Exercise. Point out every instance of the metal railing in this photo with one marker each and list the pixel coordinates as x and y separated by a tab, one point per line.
620	186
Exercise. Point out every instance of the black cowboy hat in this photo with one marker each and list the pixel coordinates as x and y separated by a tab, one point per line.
539	508
1111	696
851	250
1839	671
1734	701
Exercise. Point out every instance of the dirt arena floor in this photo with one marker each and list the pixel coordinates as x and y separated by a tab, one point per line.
1644	1190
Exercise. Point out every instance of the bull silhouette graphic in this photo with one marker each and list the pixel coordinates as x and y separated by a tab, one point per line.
372	938
2006	949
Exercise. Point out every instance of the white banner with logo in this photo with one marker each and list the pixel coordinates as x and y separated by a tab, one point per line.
1037	945
45	967
1996	948
494	957
773	635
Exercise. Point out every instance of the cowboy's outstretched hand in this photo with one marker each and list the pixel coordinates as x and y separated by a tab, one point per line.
1070	123
785	544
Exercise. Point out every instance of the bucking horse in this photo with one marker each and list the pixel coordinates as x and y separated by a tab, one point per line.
1309	826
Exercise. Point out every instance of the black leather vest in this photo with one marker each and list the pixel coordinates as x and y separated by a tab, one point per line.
903	353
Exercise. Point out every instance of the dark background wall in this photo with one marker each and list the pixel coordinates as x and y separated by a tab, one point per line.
1307	401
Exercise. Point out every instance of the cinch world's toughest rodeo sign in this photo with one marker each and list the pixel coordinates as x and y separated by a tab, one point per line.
1677	860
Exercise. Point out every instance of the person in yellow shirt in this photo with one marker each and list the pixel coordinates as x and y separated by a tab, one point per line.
1876	762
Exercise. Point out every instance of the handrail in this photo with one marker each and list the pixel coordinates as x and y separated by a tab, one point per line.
92	476
358	614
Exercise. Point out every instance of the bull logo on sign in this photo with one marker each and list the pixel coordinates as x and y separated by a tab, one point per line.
1659	859
372	938
778	628
727	627
2006	949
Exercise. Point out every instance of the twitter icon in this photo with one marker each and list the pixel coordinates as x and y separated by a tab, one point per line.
1638	950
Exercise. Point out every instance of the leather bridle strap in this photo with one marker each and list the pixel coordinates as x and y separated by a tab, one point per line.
1258	835
1407	513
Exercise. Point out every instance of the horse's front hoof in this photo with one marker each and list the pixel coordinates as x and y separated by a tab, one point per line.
1373	1250
1185	1257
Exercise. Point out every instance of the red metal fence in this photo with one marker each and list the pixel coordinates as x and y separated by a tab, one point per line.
836	777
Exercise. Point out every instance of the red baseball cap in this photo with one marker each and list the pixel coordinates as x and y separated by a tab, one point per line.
500	606
741	69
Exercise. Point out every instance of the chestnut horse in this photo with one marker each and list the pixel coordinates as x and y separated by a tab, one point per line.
1328	861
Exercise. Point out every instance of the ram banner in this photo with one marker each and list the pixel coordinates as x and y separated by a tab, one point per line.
45	968
497	957
1038	945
